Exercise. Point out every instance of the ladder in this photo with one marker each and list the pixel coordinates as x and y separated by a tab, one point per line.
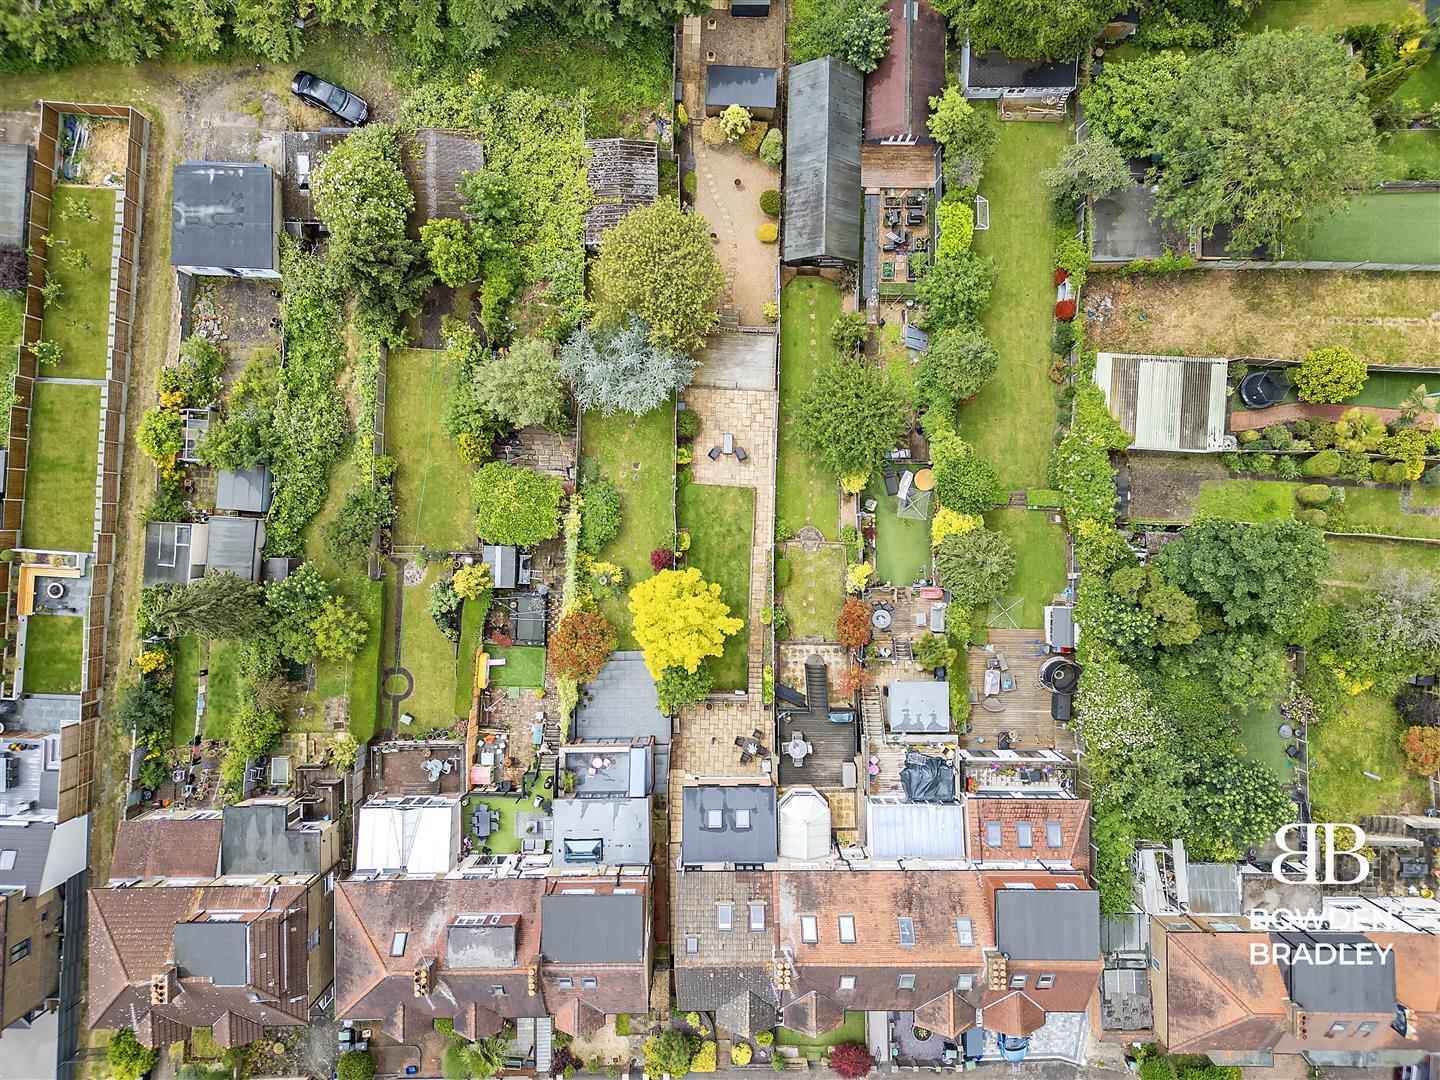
544	1042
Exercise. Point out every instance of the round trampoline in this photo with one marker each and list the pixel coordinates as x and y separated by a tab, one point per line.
1059	675
1261	389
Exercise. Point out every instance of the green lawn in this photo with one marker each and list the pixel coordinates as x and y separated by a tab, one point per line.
472	631
806	493
902	546
1329	15
60	480
1011	420
79	321
12	325
816	591
430	658
1424	495
1424	85
503	840
1414	155
1397	228
222	689
54	652
1039	561
721	521
637	455
1260	735
432	484
524	666
186	694
1356	560
1364	737
1247	500
852	1030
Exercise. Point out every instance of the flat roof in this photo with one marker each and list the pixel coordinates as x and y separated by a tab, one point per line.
906	830
991	69
223	214
14	192
919	706
243	490
1167	402
234	546
215	950
1048	924
752	87
604	831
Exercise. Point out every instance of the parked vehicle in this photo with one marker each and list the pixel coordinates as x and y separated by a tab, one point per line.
335	100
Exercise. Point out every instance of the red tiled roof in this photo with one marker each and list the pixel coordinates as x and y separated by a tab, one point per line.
1072	814
1014	1013
898	91
949	1015
151	847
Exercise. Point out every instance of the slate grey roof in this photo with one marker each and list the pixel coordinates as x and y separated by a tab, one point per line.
746	1014
729	823
223	214
753	87
825	103
503	561
235	545
1342	987
1048	924
993	69
620	828
592	928
920	706
254	840
243	490
623	705
218	951
14	192
31	844
727	970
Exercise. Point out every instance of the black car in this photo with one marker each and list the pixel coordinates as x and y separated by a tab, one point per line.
339	102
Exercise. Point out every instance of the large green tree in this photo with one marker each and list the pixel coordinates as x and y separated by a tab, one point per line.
976	566
522	386
1260	135
659	264
218	605
1259	576
1126	101
849	417
362	196
955	367
1033	29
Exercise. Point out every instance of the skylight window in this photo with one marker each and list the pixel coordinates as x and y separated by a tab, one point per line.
724	917
1024	834
907	930
809	929
847	929
992	834
397	943
1052	834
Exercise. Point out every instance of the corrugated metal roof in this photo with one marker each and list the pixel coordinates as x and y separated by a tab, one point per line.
824	110
1167	402
915	830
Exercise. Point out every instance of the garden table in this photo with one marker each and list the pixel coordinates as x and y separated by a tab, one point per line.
727	443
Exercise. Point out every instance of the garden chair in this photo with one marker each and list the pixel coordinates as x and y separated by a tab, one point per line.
715	453
740	454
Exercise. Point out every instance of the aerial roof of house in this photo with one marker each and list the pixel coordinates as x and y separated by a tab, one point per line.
435	161
731	824
724	935
38	856
825	102
589	927
752	87
1048	924
223	215
918	706
411	834
623	174
243	490
898	91
1023	830
606	831
233	975
15	161
1167	402
1349	985
897	829
165	846
386	929
258	837
993	69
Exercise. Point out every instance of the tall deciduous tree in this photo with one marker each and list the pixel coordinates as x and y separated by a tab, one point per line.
362	197
624	371
660	264
522	386
515	506
956	366
976	566
1126	101
1262	134
1033	29
218	605
849	417
680	619
956	291
452	249
1090	169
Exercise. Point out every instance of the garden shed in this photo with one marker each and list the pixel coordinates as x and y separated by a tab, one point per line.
756	88
243	491
15	163
1168	402
624	174
991	74
435	161
225	220
822	164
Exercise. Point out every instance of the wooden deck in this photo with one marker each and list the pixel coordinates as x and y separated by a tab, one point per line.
1027	707
897	166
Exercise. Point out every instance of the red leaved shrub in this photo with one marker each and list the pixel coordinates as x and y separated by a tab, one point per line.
1060	276
851	1060
852	626
662	559
1065	310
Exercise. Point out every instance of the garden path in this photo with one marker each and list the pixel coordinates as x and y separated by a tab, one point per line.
728	196
1299	410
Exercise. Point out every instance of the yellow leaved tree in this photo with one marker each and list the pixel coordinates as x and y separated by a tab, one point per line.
679	620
